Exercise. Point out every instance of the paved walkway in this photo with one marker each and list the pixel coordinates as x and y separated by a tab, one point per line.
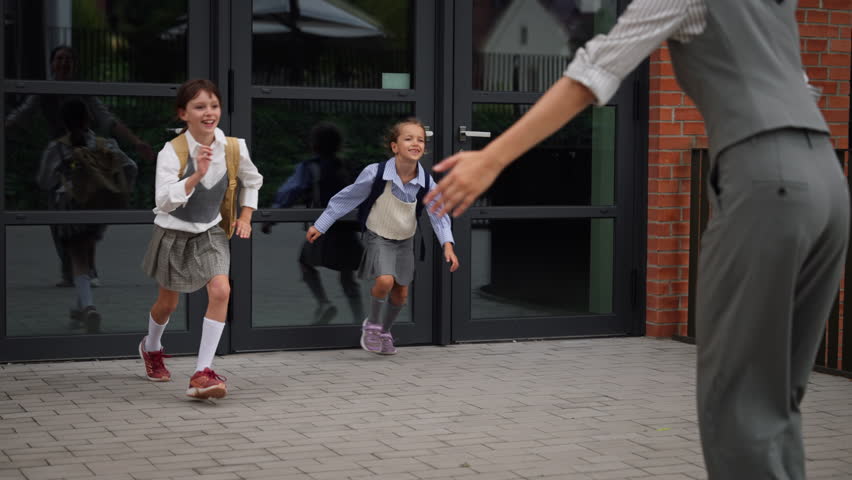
573	409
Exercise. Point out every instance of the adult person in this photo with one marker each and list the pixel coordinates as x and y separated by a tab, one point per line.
773	251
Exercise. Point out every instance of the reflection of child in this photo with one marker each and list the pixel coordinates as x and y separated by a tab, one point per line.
59	175
318	179
195	207
390	203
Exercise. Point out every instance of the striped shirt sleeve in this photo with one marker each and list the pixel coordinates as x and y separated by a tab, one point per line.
605	60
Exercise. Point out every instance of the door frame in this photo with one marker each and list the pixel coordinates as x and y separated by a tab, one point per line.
629	212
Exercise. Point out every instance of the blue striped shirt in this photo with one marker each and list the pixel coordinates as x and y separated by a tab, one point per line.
350	197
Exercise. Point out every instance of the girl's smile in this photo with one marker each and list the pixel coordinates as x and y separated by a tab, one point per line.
411	143
202	116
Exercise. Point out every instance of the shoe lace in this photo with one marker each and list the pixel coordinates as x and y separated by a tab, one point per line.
157	359
213	375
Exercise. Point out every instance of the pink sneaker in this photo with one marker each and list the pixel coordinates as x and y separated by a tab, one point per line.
387	344
155	369
370	337
207	384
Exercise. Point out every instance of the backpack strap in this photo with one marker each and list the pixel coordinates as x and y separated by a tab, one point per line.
422	192
375	192
181	147
229	203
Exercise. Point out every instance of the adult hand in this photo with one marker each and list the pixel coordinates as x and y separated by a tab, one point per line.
312	234
471	173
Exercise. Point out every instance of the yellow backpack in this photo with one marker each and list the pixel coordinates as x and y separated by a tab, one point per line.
232	160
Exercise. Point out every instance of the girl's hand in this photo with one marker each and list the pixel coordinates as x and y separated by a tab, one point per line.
205	156
312	234
242	228
471	173
450	257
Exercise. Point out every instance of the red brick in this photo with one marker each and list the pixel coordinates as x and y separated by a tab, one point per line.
660	114
843	88
817	73
839	130
664	128
834	60
836	115
664	214
681	287
835	4
694	128
820	31
841	18
683	171
660	331
656	288
839	73
808	4
659	229
674	143
671	199
662	274
817	16
841	45
838	101
663	186
828	88
688	114
816	45
663	244
663	303
684	302
661	54
810	59
666	98
664	158
800	16
661	70
680	228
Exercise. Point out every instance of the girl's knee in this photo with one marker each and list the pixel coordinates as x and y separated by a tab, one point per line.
384	283
219	290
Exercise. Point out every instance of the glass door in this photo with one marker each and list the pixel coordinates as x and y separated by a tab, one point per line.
315	79
550	248
117	65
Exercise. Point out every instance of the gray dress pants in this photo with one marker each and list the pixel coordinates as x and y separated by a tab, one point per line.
770	266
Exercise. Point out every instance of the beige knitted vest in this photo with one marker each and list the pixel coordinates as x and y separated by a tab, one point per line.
392	218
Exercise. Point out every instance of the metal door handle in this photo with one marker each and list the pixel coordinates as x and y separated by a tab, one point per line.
464	133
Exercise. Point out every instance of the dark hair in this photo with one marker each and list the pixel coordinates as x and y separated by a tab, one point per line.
394	131
59	48
76	117
326	139
190	89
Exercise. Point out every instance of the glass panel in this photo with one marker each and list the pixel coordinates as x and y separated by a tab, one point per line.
350	133
340	43
39	299
568	271
287	292
525	46
132	130
579	160
96	41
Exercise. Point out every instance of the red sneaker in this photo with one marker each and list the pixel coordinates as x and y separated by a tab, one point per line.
206	384
155	369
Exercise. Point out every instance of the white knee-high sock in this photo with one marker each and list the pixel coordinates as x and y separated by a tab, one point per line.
210	335
155	333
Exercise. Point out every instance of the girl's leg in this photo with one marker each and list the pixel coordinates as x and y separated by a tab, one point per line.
78	251
398	296
353	294
150	349
218	294
379	293
166	304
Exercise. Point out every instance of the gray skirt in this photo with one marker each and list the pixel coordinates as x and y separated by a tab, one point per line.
383	256
183	261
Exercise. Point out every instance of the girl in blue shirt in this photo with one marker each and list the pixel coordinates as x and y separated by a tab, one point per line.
389	195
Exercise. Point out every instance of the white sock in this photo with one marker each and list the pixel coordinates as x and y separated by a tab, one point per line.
155	333
210	334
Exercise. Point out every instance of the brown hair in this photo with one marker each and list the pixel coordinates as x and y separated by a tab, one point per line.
394	131
190	89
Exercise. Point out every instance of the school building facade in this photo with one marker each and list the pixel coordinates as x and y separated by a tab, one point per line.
592	233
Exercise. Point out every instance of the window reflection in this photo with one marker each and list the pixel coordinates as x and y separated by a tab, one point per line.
567	270
39	146
579	160
524	45
39	301
325	43
282	132
285	294
115	41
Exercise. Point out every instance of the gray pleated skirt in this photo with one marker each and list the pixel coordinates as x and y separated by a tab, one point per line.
183	261
387	257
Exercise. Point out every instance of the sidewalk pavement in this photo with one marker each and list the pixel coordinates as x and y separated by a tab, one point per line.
616	408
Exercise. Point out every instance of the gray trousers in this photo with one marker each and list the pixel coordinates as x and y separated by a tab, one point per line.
770	266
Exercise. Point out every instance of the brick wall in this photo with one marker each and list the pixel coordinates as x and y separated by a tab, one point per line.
676	127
